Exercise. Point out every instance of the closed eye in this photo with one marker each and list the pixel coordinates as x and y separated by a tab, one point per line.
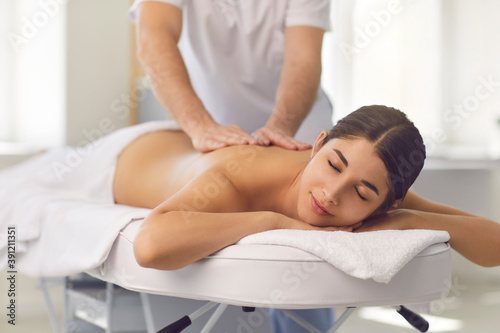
333	166
355	188
359	194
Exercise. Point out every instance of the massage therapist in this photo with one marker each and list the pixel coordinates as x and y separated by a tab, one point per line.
237	71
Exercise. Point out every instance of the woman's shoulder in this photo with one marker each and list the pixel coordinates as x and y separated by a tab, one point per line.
253	166
249	157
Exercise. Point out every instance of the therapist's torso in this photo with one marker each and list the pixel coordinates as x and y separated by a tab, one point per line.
233	51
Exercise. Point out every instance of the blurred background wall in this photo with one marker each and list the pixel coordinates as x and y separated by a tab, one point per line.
69	76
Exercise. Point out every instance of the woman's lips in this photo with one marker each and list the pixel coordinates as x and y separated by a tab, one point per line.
316	206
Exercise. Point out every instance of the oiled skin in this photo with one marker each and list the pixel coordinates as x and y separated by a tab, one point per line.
157	165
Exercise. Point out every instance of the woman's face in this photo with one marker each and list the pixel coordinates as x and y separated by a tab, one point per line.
344	183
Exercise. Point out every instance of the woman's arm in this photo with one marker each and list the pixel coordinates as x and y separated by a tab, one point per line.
206	215
416	202
174	239
476	238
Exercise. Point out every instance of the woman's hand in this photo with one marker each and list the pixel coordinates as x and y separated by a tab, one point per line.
397	219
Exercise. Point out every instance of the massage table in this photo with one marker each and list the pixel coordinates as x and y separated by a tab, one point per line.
272	276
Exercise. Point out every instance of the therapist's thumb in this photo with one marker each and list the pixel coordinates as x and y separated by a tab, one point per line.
207	145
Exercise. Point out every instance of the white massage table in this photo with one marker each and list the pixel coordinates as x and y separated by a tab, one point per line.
272	276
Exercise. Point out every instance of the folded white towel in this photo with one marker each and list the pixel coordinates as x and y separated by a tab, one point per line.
376	255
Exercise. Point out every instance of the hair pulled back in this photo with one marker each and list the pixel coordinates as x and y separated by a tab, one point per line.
397	142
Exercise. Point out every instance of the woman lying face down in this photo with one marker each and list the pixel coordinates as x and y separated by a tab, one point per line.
355	178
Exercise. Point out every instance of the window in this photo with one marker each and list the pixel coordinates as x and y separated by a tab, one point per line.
435	60
7	69
32	80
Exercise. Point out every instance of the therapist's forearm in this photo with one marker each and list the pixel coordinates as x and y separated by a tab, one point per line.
160	56
296	94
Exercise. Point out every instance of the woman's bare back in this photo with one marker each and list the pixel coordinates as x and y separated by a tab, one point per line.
157	165
150	162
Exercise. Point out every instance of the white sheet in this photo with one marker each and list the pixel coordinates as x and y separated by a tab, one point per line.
75	236
61	205
377	255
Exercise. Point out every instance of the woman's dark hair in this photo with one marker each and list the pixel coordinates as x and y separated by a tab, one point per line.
397	142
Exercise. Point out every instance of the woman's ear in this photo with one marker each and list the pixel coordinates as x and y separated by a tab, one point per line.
395	205
319	142
380	213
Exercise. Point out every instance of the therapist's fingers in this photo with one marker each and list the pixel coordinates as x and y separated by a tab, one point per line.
215	137
231	135
205	145
279	138
261	138
267	136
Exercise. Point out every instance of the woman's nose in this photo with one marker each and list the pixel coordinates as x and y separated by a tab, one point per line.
333	195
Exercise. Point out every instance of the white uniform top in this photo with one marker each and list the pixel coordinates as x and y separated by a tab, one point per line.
233	51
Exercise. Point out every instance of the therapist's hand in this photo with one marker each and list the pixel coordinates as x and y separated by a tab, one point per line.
268	135
217	136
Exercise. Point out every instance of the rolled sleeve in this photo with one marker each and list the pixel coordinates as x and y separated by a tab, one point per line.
314	13
133	10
